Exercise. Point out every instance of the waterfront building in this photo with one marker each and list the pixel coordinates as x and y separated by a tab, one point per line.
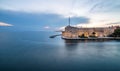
75	32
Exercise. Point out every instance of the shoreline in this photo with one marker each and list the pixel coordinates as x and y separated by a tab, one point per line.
99	38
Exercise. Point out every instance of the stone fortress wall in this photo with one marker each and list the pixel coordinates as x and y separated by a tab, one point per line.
74	32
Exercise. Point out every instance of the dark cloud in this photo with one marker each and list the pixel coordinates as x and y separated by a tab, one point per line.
79	20
34	21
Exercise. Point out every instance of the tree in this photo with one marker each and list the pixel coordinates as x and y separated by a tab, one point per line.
116	32
83	36
93	34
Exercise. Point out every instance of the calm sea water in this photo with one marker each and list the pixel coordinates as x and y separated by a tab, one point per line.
35	51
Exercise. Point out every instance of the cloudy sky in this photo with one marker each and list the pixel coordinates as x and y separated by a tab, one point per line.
53	14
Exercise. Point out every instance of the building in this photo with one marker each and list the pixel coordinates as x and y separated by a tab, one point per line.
74	32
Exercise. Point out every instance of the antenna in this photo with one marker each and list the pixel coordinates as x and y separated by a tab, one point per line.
69	21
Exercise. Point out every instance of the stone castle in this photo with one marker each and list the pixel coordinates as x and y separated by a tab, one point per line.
74	32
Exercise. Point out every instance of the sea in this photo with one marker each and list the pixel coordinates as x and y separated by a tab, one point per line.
35	51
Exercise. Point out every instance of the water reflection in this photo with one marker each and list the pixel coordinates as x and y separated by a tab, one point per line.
71	44
80	44
89	48
85	41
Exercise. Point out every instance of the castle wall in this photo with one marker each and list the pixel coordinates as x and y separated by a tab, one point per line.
74	32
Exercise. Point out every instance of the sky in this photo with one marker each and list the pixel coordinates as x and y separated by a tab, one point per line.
37	15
